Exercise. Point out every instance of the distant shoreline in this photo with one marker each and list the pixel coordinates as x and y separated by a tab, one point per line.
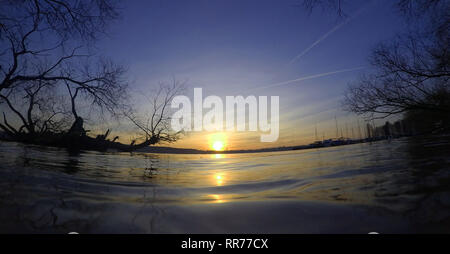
315	145
172	150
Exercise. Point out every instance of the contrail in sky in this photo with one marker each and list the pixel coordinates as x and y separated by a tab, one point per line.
323	37
310	77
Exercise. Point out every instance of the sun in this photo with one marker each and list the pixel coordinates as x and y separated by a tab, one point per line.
217	141
218	146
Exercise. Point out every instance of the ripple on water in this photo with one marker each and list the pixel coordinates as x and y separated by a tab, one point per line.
397	176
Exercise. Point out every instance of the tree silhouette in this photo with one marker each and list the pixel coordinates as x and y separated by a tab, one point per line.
411	72
46	45
155	124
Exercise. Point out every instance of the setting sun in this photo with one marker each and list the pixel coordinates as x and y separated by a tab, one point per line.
218	146
217	141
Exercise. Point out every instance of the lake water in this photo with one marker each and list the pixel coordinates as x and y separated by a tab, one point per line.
401	186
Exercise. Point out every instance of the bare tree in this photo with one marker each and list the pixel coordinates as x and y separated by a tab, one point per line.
44	110
104	87
155	124
411	73
46	44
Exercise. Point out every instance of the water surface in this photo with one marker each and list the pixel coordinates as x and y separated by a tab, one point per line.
401	186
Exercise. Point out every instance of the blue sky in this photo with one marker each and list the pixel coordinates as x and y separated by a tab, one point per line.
240	47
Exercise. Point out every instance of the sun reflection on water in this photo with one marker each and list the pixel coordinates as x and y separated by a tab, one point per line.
218	156
219	178
217	198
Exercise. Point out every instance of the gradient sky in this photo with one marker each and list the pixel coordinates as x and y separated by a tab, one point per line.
240	47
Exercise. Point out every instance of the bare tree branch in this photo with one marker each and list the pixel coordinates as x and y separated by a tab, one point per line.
156	125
